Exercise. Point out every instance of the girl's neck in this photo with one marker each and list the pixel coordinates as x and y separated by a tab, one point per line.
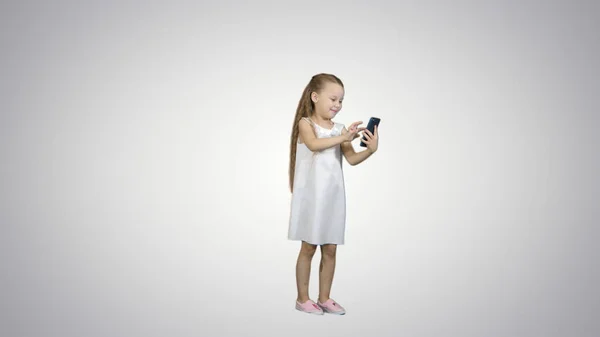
324	123
320	120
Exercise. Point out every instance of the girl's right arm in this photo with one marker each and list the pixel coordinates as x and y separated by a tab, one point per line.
318	144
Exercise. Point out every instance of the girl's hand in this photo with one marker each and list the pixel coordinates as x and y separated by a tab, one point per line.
372	139
353	131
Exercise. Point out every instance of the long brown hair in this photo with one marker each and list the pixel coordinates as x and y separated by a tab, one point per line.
306	108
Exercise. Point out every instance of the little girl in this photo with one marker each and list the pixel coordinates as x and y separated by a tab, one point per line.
318	207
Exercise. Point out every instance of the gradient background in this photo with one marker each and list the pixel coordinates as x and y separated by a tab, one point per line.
145	146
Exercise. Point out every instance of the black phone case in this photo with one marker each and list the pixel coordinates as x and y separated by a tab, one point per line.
371	127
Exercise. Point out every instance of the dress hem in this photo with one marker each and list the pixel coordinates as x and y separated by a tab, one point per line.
318	244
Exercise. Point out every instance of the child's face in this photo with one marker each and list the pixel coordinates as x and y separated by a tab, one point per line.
329	100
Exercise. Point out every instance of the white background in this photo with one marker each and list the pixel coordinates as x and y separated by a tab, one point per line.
145	150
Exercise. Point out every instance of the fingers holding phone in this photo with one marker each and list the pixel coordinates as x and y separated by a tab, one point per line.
371	139
371	132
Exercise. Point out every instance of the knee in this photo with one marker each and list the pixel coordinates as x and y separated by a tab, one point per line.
328	252
308	250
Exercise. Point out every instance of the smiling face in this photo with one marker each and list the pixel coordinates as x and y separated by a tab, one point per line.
328	102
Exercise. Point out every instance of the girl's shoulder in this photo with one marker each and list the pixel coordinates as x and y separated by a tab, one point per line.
308	121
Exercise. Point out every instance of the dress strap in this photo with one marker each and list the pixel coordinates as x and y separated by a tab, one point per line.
309	120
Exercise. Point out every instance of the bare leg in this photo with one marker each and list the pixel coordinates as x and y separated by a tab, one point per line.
307	251
326	271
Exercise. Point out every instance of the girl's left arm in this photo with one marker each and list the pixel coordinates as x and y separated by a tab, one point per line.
355	158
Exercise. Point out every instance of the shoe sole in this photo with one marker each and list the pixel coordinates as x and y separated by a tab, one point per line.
325	310
334	313
309	312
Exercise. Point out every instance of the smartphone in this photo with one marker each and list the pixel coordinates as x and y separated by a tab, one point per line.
371	127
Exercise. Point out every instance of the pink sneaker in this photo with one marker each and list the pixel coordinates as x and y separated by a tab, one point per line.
309	307
332	307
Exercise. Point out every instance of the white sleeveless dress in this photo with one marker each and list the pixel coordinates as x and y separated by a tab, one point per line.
318	207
